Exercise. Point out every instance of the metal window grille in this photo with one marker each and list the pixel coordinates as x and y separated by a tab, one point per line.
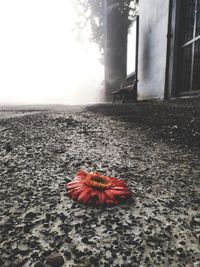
189	48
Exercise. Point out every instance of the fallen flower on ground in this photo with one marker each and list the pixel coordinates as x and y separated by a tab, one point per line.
94	188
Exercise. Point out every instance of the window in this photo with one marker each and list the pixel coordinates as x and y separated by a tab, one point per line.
189	48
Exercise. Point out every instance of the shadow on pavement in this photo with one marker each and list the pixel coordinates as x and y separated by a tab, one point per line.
176	121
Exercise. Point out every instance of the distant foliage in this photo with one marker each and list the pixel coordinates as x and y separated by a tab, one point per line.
91	16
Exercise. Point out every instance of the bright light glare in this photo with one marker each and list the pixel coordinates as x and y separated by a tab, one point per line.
40	59
131	49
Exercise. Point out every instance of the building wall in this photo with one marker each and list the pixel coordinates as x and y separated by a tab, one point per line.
152	48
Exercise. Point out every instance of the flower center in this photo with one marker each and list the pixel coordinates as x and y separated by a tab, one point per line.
98	182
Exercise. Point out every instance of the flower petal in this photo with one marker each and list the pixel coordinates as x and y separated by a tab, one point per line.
109	194
102	197
84	195
74	195
74	183
120	188
118	192
81	173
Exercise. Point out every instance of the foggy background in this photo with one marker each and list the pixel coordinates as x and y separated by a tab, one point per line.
41	61
131	49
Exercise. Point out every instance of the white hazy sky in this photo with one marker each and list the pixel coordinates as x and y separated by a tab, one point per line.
40	59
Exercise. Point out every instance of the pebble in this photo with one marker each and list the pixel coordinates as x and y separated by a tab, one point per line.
55	260
9	147
38	264
30	215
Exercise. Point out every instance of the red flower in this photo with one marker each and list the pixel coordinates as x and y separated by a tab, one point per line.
94	188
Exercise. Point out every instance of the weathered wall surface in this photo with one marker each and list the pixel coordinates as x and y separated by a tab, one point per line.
152	48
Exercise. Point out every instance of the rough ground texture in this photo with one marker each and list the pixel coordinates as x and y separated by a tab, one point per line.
154	147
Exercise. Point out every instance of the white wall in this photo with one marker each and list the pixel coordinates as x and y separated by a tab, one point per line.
152	48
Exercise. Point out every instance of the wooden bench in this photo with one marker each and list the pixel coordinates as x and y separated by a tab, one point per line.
127	90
